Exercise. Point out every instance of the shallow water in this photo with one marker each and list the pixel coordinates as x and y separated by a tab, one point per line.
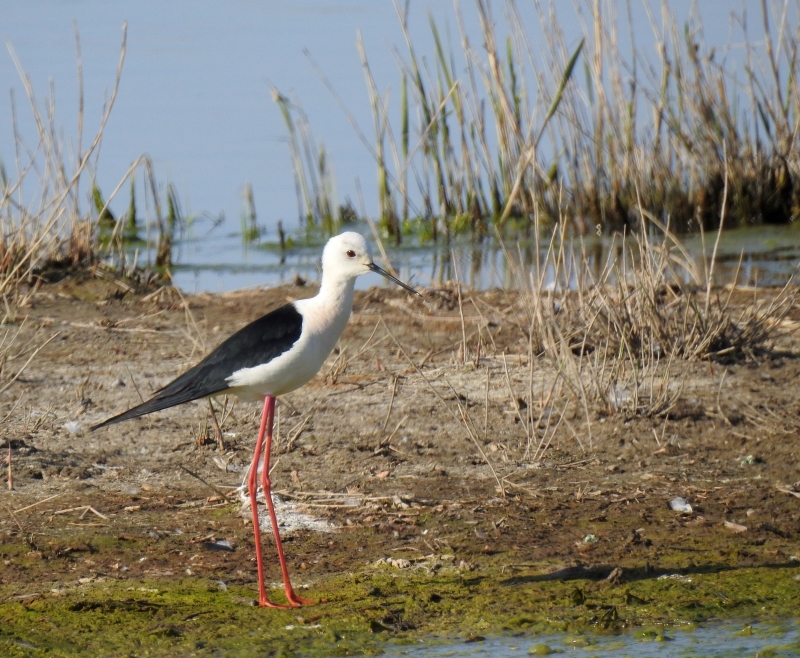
720	641
763	256
195	96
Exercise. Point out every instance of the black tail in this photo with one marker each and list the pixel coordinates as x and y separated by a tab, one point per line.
154	404
185	388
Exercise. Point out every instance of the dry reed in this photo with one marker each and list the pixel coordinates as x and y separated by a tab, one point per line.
516	137
54	218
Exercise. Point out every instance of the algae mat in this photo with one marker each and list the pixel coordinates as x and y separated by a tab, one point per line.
365	613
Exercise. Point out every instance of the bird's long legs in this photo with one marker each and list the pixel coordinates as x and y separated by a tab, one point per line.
252	486
252	490
266	487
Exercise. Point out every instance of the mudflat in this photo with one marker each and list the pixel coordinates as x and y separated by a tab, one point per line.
437	478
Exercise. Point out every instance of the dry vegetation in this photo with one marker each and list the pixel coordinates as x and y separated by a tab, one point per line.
538	132
617	339
53	218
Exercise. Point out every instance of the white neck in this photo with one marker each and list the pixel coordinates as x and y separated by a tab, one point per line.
338	293
329	311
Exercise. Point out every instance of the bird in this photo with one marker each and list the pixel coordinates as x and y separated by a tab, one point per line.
274	355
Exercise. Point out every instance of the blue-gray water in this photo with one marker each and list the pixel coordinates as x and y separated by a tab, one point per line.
777	640
195	96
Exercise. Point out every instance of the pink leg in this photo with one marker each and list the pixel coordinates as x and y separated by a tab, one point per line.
252	490
294	600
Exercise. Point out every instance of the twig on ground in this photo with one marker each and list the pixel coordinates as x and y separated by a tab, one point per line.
214	488
10	472
217	430
30	358
391	403
41	502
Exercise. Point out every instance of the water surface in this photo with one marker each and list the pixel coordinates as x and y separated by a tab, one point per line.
719	641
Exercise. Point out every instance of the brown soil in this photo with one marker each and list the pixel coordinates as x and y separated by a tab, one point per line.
394	438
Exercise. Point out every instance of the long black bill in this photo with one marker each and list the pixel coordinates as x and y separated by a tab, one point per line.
382	272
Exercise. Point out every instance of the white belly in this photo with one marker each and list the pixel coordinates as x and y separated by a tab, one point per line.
283	374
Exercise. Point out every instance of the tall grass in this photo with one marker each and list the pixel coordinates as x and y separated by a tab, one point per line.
53	216
505	132
49	226
314	180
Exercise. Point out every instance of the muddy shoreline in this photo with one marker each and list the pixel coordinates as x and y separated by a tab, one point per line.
420	503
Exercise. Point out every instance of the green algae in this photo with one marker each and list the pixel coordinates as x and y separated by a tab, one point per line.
366	610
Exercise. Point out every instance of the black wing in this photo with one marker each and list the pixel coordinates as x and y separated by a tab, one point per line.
255	344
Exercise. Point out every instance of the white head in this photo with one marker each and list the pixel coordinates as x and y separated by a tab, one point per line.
347	255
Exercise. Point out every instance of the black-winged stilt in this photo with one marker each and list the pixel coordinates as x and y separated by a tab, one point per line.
273	355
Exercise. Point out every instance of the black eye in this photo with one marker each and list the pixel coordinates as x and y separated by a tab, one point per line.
351	253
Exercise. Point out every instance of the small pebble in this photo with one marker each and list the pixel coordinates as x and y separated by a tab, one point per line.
678	504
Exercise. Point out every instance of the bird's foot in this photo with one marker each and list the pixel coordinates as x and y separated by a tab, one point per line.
294	601
266	603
